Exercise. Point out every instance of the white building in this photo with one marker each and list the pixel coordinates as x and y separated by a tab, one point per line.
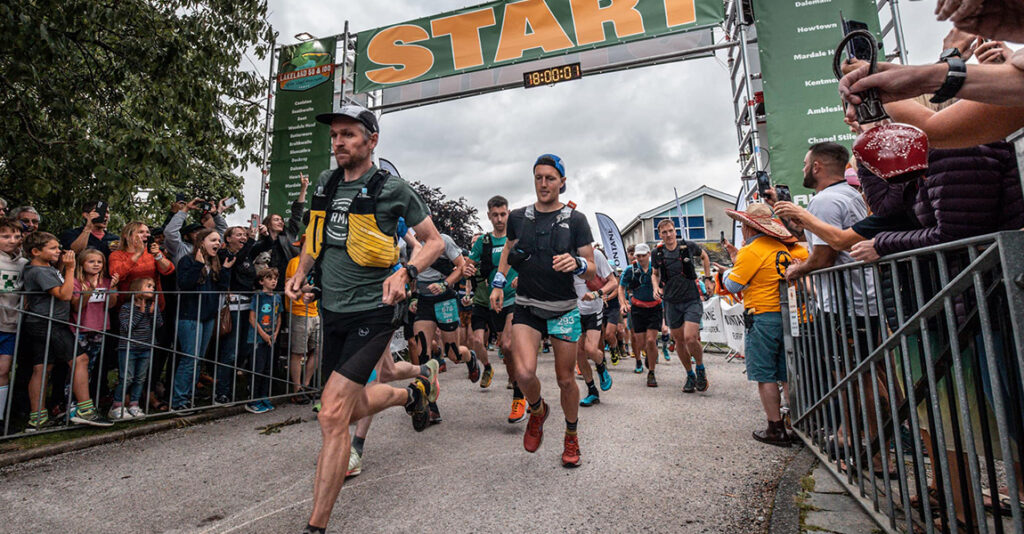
703	219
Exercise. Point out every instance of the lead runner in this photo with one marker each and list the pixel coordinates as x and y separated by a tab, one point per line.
549	242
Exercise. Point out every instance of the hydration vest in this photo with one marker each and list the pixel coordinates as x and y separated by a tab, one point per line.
635	282
689	271
367	244
560	240
486	260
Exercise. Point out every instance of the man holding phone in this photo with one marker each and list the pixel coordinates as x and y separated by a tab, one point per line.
93	233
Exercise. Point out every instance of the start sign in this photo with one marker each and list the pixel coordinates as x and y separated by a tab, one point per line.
506	32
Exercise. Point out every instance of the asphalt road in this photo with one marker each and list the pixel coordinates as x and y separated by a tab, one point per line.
654	460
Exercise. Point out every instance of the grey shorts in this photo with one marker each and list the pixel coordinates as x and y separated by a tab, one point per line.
305	334
688	311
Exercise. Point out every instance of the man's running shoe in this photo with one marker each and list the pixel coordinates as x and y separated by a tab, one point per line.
256	407
485	379
442	367
571	451
316	407
605	378
590	400
417	405
355	463
90	417
615	357
435	384
518	412
651	381
639	367
434	413
535	430
702	379
689	386
672	346
474	367
664	352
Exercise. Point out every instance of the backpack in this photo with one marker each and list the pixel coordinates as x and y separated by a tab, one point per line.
689	270
561	240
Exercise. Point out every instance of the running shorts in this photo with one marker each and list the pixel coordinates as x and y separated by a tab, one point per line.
62	342
443	312
355	341
565	327
645	319
590	321
484	318
612	316
688	311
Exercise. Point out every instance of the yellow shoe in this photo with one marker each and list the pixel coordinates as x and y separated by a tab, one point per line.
518	412
486	376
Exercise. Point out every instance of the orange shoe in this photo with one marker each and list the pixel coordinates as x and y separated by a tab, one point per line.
571	451
518	412
535	430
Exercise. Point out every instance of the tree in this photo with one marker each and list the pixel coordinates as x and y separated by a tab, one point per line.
457	218
104	100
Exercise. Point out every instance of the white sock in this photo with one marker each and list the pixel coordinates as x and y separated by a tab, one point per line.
3	401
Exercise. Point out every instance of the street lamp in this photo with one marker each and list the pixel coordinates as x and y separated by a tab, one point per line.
304	36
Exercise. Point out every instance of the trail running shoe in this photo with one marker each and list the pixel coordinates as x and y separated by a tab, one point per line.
474	367
689	386
606	378
443	367
651	381
615	357
590	400
571	451
417	406
702	379
435	384
316	407
355	463
434	413
639	367
664	352
485	379
90	417
256	407
518	412
535	430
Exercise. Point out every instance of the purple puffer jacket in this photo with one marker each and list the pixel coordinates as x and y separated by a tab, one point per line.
967	192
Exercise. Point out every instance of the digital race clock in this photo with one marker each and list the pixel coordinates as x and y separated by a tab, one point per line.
552	75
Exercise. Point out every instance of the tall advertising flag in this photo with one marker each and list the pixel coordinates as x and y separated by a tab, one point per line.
300	145
612	240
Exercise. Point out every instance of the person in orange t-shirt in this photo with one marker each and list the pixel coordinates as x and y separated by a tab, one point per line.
304	337
135	259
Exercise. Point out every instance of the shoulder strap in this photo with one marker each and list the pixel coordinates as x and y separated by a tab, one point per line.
332	186
530	215
376	183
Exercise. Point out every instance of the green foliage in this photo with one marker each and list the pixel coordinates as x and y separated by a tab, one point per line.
457	218
105	99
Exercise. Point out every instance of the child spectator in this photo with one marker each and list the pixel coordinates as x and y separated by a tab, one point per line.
304	336
138	321
48	306
11	264
202	277
92	285
264	319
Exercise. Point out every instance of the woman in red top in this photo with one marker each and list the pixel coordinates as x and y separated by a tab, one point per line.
133	261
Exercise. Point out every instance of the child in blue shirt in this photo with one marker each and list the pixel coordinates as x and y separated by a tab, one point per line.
265	320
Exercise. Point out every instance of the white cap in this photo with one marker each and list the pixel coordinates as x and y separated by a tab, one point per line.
642	248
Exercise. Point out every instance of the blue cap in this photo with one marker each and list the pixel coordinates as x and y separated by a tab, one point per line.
554	161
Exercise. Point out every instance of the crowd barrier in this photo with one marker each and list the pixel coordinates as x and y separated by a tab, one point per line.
722	324
912	396
173	373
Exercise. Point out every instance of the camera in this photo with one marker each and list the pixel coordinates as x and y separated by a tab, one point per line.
206	206
764	183
783	194
101	210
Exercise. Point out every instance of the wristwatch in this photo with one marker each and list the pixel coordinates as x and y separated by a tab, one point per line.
955	76
412	271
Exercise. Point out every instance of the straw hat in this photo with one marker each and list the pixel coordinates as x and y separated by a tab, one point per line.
759	216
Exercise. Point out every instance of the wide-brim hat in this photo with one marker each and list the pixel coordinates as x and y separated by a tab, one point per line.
759	216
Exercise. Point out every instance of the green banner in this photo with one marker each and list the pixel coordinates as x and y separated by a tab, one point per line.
506	32
796	40
300	145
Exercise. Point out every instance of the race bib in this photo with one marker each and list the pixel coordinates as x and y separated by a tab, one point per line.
446	312
98	295
567	327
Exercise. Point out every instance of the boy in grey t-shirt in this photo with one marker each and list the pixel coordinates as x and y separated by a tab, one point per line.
11	264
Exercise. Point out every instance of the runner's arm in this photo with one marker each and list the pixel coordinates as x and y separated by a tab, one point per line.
453	279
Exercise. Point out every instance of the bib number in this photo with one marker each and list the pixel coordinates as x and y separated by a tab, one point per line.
446	312
567	327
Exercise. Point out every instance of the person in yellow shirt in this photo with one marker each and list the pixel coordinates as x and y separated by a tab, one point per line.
758	267
304	340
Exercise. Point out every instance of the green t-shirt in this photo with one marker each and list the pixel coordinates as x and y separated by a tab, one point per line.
348	286
482	292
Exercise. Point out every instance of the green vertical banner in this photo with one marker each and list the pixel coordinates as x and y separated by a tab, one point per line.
300	145
796	40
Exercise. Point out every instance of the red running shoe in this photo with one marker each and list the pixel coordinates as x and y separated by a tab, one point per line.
535	430
571	451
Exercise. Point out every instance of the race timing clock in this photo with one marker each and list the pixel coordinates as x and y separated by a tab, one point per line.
552	75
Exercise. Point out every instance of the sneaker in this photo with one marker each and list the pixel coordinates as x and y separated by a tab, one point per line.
605	378
689	386
590	400
355	463
90	417
651	381
615	357
546	349
571	451
485	379
702	379
267	404
316	407
118	413
256	407
665	353
474	367
442	367
135	411
434	413
221	399
509	385
417	407
184	409
639	367
671	348
518	412
36	426
435	384
535	430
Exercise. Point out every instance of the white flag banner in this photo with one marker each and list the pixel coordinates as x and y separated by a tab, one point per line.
712	329
732	318
612	240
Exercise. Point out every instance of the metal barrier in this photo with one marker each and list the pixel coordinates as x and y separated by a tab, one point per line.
174	357
912	396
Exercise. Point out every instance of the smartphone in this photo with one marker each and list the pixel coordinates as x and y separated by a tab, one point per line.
856	48
254	221
783	194
764	183
723	237
101	210
149	242
230	202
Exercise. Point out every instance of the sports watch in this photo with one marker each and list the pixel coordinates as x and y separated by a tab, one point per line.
955	76
412	271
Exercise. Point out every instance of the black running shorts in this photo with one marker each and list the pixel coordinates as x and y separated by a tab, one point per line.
484	318
645	319
354	341
429	308
591	321
61	347
688	311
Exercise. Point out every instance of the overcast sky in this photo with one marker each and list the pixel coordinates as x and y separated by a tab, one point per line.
627	138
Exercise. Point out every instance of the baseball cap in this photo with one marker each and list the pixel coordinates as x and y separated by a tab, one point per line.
642	248
554	161
354	112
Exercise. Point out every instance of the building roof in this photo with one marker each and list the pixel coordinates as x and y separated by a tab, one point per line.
699	192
